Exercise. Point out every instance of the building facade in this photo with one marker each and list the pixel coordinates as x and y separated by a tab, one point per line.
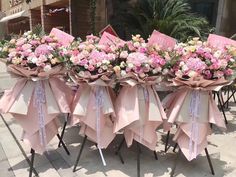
220	13
72	16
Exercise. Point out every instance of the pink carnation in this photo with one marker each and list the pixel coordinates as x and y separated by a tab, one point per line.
196	64
228	72
43	49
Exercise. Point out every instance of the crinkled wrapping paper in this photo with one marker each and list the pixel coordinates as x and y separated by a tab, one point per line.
193	130
20	102
93	109
139	113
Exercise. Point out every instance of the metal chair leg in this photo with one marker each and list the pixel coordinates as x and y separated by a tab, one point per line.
63	144
233	92
32	162
227	102
63	130
209	161
232	95
118	151
155	155
167	141
121	158
222	108
176	145
120	146
80	152
138	159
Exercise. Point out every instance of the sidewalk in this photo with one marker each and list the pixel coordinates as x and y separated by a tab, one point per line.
58	164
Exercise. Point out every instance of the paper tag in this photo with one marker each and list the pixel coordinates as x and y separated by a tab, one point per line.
219	41
61	36
108	39
162	40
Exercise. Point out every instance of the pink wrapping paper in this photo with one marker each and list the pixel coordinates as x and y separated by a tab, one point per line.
139	112
191	136
20	102
94	112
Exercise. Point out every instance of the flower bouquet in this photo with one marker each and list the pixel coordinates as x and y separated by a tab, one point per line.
40	95
139	111
92	64
197	70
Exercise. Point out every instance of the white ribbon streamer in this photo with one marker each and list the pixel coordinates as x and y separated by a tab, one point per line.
194	113
39	101
146	98
99	96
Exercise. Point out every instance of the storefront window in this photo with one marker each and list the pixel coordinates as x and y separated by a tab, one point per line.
15	2
206	8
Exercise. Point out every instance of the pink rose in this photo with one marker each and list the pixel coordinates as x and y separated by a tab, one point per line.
142	49
130	46
124	54
219	74
91	68
162	62
228	72
26	47
207	74
20	41
34	42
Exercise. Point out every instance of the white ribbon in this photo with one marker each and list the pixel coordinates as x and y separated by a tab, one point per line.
39	101
194	114
99	96
146	98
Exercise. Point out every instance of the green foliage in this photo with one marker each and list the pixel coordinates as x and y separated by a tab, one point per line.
38	30
233	37
93	15
172	17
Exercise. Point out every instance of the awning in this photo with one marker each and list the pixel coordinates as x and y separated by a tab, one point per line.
14	16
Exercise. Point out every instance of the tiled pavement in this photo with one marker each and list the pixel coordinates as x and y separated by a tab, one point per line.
58	164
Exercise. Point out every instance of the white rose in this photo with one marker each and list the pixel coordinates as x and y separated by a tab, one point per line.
159	69
144	45
99	64
184	67
154	71
123	73
86	66
165	71
179	74
47	68
217	54
104	61
130	65
50	56
136	44
124	54
104	67
122	64
181	63
34	59
192	74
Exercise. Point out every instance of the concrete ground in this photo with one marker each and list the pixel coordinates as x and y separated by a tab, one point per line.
58	164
